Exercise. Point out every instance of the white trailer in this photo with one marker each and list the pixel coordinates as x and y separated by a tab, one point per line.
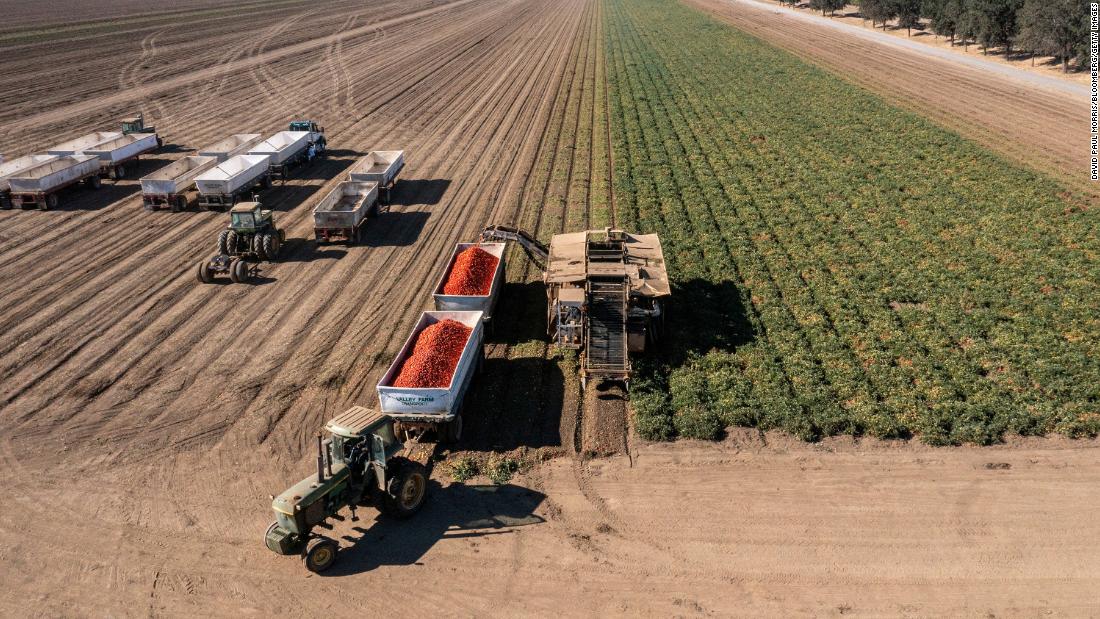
10	168
38	185
341	213
439	408
236	144
287	149
379	166
79	145
168	186
114	155
480	303
221	186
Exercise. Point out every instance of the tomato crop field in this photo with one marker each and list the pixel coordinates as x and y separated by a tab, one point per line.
840	265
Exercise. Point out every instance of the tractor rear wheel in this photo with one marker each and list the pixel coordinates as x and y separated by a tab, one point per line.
271	246
223	243
407	489
206	274
258	246
320	554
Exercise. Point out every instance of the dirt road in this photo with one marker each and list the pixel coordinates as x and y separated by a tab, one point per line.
144	419
1034	124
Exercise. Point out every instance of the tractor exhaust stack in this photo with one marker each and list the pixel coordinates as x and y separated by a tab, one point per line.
320	461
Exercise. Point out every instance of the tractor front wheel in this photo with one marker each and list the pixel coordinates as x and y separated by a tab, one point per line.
406	490
206	274
320	554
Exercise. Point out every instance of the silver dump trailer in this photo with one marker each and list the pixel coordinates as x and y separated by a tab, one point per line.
221	186
343	211
168	187
236	144
286	149
439	408
13	167
115	155
79	145
379	166
38	185
480	303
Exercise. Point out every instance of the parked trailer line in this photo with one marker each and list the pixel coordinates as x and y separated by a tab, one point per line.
221	186
78	145
379	166
286	149
168	186
236	144
342	212
13	167
39	185
114	155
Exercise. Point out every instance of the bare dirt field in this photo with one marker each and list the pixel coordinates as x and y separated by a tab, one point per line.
144	418
1041	128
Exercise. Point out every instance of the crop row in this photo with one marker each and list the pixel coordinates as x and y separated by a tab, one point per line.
839	266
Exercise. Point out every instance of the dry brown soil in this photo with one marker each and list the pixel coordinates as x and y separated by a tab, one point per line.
144	418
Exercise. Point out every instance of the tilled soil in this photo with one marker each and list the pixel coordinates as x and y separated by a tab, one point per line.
144	418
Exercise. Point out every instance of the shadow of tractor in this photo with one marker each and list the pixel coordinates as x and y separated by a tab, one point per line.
456	511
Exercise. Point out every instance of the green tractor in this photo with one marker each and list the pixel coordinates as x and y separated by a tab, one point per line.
363	463
136	124
250	236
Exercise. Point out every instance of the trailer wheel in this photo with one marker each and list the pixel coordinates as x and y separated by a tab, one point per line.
407	489
119	172
5	204
271	246
206	274
223	242
320	554
95	182
179	204
267	182
452	432
243	274
50	202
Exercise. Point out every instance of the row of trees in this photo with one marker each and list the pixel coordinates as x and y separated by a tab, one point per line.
1058	28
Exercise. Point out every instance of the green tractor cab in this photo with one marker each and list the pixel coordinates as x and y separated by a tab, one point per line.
362	463
250	236
136	124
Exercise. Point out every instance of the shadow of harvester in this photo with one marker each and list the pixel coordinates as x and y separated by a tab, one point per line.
455	512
